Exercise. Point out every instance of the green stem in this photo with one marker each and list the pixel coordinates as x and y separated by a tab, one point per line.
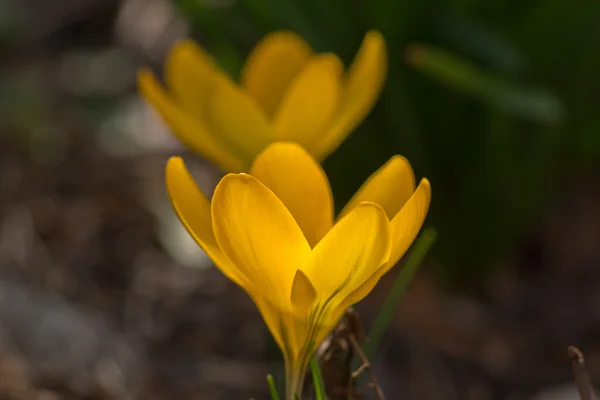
386	313
294	381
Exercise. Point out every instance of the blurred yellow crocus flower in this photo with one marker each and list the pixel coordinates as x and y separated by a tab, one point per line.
287	93
273	233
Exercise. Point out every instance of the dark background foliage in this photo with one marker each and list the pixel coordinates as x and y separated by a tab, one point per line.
495	102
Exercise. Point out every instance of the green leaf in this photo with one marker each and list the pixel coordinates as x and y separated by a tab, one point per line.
534	103
386	313
272	388
317	379
480	40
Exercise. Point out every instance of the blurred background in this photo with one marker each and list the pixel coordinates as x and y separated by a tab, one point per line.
104	296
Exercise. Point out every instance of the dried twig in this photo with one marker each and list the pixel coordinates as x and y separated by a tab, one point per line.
337	356
366	365
581	376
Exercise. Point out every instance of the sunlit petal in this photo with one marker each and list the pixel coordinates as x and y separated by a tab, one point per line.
361	291
193	209
259	235
407	223
354	248
390	187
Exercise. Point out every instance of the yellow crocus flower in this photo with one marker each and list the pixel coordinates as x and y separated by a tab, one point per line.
287	93
273	233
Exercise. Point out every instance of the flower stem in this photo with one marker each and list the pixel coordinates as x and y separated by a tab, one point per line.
294	381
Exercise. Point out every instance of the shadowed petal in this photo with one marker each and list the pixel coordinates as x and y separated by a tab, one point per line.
190	75
311	101
300	183
303	293
271	66
238	120
190	130
362	85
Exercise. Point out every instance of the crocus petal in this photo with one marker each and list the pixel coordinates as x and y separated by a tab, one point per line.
303	293
238	120
311	100
280	325
300	183
290	329
190	75
193	209
352	250
259	235
271	66
363	84
407	223
390	187
188	129
360	292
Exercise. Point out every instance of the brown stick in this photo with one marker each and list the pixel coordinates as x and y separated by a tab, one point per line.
582	378
365	365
